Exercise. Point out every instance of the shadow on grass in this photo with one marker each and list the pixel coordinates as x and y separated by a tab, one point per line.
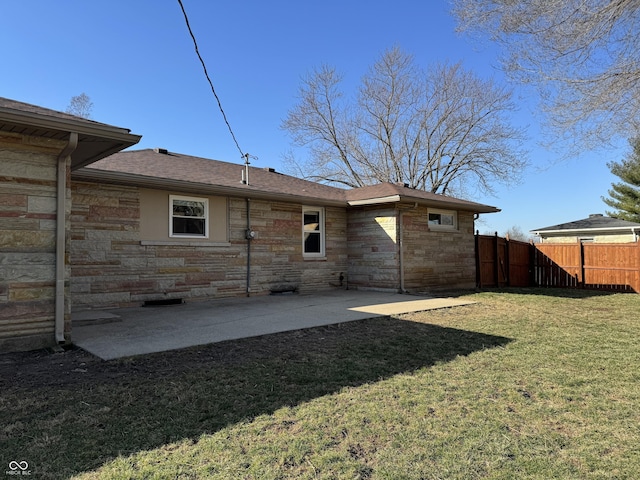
68	413
556	292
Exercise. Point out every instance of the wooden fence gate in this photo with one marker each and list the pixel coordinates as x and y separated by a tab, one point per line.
502	262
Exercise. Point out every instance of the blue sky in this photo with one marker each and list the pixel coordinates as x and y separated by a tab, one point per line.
136	61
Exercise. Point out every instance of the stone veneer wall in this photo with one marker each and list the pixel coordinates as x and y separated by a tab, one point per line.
111	267
438	259
432	259
28	173
373	250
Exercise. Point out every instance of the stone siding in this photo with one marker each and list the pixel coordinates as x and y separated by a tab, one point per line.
28	174
373	250
438	259
431	259
113	267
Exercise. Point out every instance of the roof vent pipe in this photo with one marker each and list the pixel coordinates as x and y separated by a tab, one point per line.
245	178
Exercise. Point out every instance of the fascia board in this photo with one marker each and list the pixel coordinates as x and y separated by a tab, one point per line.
374	201
475	208
428	203
67	125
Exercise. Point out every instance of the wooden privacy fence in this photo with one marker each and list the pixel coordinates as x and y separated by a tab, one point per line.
503	262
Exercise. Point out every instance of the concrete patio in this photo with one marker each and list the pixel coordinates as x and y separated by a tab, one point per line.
111	334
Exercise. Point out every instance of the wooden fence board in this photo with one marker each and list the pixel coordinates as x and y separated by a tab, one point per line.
615	265
503	262
487	261
558	265
519	264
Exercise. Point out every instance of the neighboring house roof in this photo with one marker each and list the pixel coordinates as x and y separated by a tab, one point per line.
95	140
158	168
595	223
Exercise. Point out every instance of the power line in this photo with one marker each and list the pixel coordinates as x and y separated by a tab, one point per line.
206	74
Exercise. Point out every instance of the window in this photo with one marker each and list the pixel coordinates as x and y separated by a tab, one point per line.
442	219
313	232
188	216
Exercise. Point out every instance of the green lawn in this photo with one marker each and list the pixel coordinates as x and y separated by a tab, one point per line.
523	384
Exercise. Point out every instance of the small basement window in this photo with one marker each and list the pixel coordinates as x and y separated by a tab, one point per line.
188	217
442	219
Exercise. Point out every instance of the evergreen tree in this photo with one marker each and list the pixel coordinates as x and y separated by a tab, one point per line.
625	195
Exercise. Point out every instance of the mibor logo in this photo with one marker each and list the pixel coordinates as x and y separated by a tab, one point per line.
18	468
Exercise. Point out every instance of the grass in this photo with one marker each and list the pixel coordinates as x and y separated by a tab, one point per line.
528	384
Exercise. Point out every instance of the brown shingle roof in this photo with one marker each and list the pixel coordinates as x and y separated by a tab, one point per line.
593	222
152	168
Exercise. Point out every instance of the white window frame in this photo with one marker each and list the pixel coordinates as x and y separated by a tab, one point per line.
205	217
320	230
440	226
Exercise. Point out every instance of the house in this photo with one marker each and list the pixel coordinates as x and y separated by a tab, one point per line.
596	228
157	226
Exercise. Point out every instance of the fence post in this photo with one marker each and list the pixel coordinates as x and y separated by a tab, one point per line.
582	279
496	269
507	254
637	285
478	272
532	264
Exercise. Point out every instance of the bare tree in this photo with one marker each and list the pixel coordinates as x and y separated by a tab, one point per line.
80	106
516	233
443	130
584	55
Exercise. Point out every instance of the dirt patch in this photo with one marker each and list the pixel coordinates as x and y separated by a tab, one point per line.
48	368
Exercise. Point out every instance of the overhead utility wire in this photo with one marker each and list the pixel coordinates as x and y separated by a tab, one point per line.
206	74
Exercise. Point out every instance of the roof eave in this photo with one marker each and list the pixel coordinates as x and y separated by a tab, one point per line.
475	208
586	230
97	140
374	201
244	191
64	124
130	179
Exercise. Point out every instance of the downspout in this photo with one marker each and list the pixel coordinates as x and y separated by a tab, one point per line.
249	234
400	252
61	234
